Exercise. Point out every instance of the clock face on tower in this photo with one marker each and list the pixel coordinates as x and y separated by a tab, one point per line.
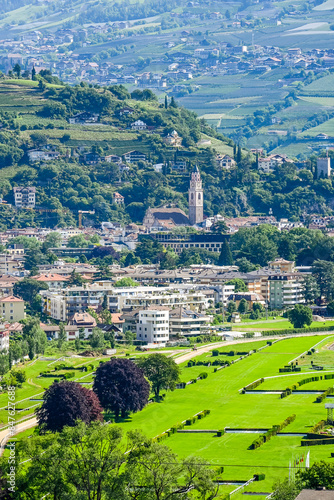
195	198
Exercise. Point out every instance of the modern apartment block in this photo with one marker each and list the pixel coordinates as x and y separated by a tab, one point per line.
178	242
285	291
153	326
61	305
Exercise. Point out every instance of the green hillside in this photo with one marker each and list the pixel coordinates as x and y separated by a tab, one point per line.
35	115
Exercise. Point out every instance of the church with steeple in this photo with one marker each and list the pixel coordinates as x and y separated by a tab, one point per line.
195	198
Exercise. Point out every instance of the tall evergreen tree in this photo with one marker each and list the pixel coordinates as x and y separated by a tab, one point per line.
33	73
239	154
225	257
166	102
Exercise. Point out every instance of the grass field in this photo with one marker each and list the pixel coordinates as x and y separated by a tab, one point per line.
220	393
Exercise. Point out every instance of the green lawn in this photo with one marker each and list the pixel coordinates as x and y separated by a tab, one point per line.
229	408
220	393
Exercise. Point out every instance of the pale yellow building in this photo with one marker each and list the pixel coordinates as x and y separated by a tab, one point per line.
12	308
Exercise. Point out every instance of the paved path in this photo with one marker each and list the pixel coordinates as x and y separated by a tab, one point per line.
5	434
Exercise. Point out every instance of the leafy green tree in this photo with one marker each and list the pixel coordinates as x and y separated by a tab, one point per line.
20	375
17	70
239	285
244	265
285	490
52	240
164	475
319	475
310	288
77	241
225	257
162	372
4	363
76	279
243	306
34	336
130	336
28	289
61	335
77	344
323	271
124	282
300	316
96	339
231	307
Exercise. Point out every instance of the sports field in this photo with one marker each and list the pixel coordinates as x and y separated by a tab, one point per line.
219	392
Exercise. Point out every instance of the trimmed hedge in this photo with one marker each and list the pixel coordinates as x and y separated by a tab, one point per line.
221	432
324	395
316	442
203	375
181	425
295	386
275	429
253	385
259	477
297	330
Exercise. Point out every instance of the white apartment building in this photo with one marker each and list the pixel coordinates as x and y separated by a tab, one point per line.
25	197
188	323
153	326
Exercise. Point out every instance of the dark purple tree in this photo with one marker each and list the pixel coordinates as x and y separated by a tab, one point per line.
65	403
121	386
105	252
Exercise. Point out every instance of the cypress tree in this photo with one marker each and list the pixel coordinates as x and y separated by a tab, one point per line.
33	73
235	151
239	154
225	257
166	102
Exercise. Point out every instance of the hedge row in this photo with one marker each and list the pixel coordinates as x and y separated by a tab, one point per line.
290	369
263	438
85	368
298	330
198	363
253	385
318	427
295	386
324	395
62	375
316	442
176	427
329	376
234	353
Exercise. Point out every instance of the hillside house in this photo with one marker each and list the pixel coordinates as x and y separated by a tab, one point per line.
133	156
118	199
84	118
138	125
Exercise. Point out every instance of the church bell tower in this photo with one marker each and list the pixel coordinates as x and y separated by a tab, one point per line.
195	198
